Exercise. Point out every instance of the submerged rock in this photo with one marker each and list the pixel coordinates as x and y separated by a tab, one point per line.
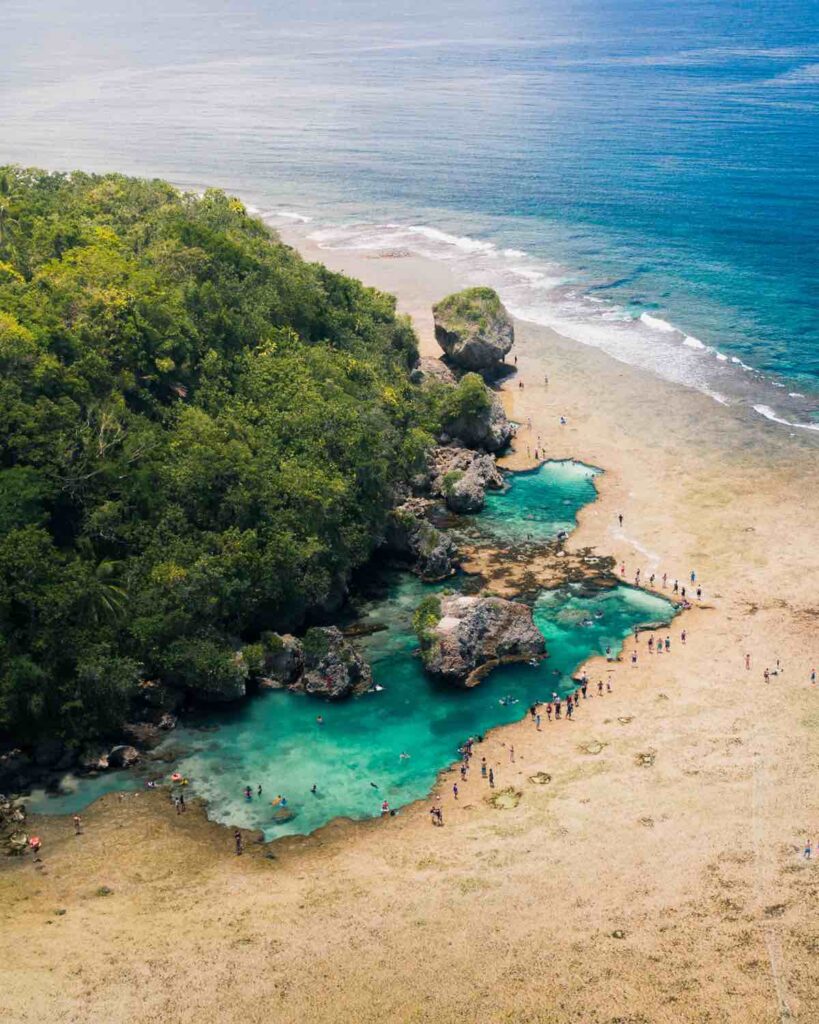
463	637
332	666
429	551
473	328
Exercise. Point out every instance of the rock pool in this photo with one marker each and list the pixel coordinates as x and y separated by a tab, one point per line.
354	758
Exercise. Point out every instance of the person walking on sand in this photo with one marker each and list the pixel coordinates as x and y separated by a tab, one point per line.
676	588
667	644
813	677
808	852
599	687
491	779
483	767
511	754
237	839
651	644
608	686
77	825
683	635
584	686
766	675
620	518
699	593
693	576
622	568
455	790
569	709
537	722
549	711
748	662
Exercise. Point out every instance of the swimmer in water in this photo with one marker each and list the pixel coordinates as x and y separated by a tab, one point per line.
403	756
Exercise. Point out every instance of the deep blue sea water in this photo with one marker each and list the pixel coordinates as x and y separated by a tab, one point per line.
641	174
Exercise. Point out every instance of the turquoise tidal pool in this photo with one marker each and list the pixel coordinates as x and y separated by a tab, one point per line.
390	743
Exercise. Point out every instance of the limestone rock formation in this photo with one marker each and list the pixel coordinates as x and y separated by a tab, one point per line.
332	666
461	477
463	637
488	429
473	329
429	551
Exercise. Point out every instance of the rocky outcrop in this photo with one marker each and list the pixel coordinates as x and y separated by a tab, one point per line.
463	637
429	551
488	429
473	329
461	477
13	837
434	370
333	667
123	756
283	661
323	663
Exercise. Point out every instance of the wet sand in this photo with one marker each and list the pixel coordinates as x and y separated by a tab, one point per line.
656	877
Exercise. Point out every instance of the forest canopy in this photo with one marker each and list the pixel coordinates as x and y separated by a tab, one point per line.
200	437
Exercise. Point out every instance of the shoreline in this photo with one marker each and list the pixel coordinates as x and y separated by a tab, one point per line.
673	890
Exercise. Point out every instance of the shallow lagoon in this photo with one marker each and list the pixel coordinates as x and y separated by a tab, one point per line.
354	757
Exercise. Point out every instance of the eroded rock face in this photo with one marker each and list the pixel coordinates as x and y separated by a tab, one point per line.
462	637
123	756
410	536
461	477
489	429
474	329
284	661
333	667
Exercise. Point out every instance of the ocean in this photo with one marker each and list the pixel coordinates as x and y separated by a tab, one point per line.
642	175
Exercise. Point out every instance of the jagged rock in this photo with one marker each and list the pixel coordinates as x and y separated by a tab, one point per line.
123	756
473	328
146	734
332	666
13	839
462	476
488	428
429	550
432	369
283	661
463	637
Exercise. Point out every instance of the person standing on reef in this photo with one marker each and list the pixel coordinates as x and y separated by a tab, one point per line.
77	825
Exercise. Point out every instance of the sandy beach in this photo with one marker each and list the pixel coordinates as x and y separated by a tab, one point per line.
658	876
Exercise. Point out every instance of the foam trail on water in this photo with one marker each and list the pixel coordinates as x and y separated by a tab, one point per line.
768	413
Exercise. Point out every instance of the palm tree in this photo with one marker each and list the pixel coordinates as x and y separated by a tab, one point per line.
104	600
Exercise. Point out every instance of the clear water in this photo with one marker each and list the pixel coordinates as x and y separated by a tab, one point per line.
641	174
276	741
539	504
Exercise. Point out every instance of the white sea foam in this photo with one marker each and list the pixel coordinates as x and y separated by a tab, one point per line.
768	413
691	342
657	323
795	394
544	293
291	215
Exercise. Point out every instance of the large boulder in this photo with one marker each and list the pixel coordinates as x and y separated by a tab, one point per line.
429	551
461	477
462	637
473	329
283	661
333	667
488	429
123	756
472	415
